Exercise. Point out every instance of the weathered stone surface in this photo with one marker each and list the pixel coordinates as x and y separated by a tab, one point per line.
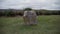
30	18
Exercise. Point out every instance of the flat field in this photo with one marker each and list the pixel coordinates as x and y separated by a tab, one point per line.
46	25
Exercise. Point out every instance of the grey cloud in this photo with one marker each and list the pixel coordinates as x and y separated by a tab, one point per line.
37	4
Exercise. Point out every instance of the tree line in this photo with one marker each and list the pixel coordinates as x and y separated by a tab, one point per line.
14	12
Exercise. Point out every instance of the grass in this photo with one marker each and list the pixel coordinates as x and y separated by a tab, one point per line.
46	25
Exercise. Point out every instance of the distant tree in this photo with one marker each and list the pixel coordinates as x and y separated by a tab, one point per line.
0	14
27	9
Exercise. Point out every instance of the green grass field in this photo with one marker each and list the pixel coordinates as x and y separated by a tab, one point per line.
46	25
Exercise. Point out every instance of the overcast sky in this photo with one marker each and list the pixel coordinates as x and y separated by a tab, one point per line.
35	4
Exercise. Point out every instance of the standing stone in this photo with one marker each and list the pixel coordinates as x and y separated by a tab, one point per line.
30	17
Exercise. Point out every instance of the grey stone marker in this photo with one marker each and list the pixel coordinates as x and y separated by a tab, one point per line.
30	17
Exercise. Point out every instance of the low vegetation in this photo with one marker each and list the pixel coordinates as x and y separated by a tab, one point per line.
46	25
